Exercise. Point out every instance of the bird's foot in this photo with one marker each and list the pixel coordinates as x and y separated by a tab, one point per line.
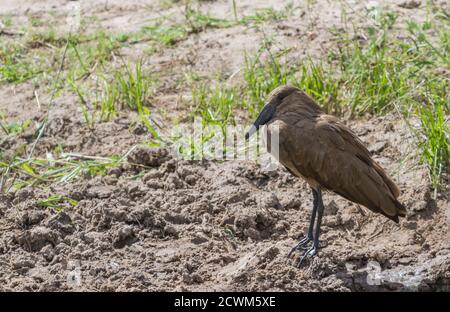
311	252
300	245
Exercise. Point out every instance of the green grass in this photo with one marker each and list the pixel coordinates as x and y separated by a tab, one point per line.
37	55
128	89
315	80
7	20
370	72
87	52
19	172
14	127
433	133
162	33
266	70
262	76
165	35
268	14
15	65
49	37
36	21
57	202
215	104
117	90
199	21
133	87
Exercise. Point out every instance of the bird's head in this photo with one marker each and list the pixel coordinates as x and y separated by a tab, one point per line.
274	100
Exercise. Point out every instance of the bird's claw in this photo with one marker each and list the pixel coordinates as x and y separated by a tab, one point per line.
311	252
300	245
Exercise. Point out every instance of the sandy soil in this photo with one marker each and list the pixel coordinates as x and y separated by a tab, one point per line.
206	225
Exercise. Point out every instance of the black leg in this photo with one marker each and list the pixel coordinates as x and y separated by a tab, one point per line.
309	237
313	215
315	247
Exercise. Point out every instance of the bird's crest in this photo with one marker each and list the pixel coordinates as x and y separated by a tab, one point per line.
278	94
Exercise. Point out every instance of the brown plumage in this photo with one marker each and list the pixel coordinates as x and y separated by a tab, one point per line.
327	154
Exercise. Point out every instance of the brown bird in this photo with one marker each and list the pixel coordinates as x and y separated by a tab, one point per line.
328	155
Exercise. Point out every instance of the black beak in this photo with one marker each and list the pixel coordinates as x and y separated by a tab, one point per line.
265	115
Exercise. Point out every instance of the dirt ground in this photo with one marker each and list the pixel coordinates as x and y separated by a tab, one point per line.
209	225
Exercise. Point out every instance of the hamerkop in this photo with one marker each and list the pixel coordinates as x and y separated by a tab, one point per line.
328	155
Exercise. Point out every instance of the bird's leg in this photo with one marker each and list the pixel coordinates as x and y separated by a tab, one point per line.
309	237
315	247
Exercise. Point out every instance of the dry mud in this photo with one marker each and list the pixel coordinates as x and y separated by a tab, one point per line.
207	225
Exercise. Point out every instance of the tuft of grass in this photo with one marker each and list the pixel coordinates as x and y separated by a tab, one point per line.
381	73
164	35
85	55
371	75
262	76
7	20
320	84
433	135
129	89
36	21
46	37
34	56
195	21
15	65
133	87
215	105
199	21
268	14
57	202
14	127
267	70
18	172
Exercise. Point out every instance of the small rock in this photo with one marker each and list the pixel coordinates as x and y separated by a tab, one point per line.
270	253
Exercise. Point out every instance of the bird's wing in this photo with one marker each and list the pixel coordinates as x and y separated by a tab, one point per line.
329	153
346	140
